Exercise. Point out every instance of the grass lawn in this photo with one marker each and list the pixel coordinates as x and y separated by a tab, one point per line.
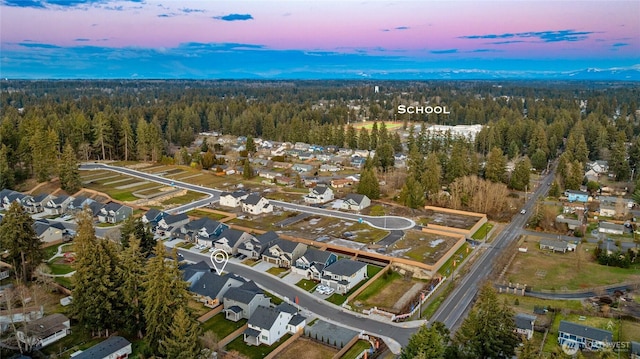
527	304
434	303
481	233
220	326
64	281
310	348
197	308
423	247
254	352
390	125
60	268
543	270
356	349
250	262
201	214
277	271
385	291
274	299
187	198
458	256
338	299
185	245
307	285
51	250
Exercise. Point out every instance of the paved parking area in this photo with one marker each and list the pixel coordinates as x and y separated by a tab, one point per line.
326	331
263	266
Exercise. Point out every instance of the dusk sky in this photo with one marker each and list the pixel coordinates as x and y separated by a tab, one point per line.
319	39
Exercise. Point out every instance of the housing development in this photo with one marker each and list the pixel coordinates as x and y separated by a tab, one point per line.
265	219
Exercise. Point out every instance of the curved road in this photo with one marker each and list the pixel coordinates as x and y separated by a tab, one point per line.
383	222
399	332
454	309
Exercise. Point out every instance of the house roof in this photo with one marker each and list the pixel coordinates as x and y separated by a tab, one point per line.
40	198
60	199
357	198
78	201
267	237
190	269
232	235
584	331
244	293
211	284
251	332
320	189
234	194
287	246
524	321
174	218
613	226
264	317
554	243
297	319
580	193
253	199
152	214
48	325
235	308
104	348
287	308
345	267
315	255
112	206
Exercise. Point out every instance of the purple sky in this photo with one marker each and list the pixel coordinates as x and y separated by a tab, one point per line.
297	39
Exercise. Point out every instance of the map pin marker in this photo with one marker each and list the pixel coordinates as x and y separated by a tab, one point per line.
219	259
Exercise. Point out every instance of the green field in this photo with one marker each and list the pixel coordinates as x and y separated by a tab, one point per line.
221	326
356	349
307	285
482	232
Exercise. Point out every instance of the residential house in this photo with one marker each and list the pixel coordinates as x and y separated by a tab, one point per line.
112	348
207	229
44	331
612	200
344	275
592	176
297	322
342	182
357	161
577	336
599	167
266	326
58	205
95	208
210	288
329	168
282	165
264	173
192	272
319	194
171	221
232	199
635	350
571	223
9	196
363	153
313	262
524	324
256	204
286	181
114	212
554	245
305	156
152	217
254	247
283	253
241	302
611	228
230	239
298	167
607	210
36	204
576	196
50	231
355	202
78	204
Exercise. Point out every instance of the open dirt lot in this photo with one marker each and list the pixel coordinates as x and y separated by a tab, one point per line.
449	219
422	247
310	348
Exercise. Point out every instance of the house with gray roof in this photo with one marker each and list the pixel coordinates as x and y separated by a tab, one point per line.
111	348
232	199
10	196
284	253
44	331
210	288
49	232
344	275
256	204
57	205
319	194
312	263
554	245
241	302
172	221
297	322
152	217
114	212
36	204
577	336
94	208
524	324
230	239
355	202
267	325
254	247
78	204
611	228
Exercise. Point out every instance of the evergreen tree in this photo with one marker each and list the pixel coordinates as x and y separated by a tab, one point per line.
164	292
619	164
428	342
495	168
251	145
130	272
521	175
374	135
247	171
368	184
488	331
396	143
412	193
432	175
539	160
96	302
126	141
554	190
44	151
384	156
352	138
364	141
68	171
7	177
183	340
133	226
18	237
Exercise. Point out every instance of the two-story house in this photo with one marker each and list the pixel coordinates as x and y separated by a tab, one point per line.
10	196
172	221
114	213
78	204
210	288
152	217
241	302
577	336
230	239
313	262
58	205
256	204
254	247
524	325
283	253
266	326
319	194
232	199
49	232
36	204
344	275
355	202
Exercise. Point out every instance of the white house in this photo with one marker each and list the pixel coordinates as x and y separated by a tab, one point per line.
58	205
256	204
344	275
312	263
112	348
230	239
319	194
232	199
241	302
577	336
524	324
114	213
44	331
611	228
268	325
355	202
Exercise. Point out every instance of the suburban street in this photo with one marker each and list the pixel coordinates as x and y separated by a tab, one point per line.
384	222
398	332
455	307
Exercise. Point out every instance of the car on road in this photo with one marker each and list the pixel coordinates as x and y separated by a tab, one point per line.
211	250
523	211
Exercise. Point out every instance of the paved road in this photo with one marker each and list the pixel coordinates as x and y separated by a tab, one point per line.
399	332
384	222
452	312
